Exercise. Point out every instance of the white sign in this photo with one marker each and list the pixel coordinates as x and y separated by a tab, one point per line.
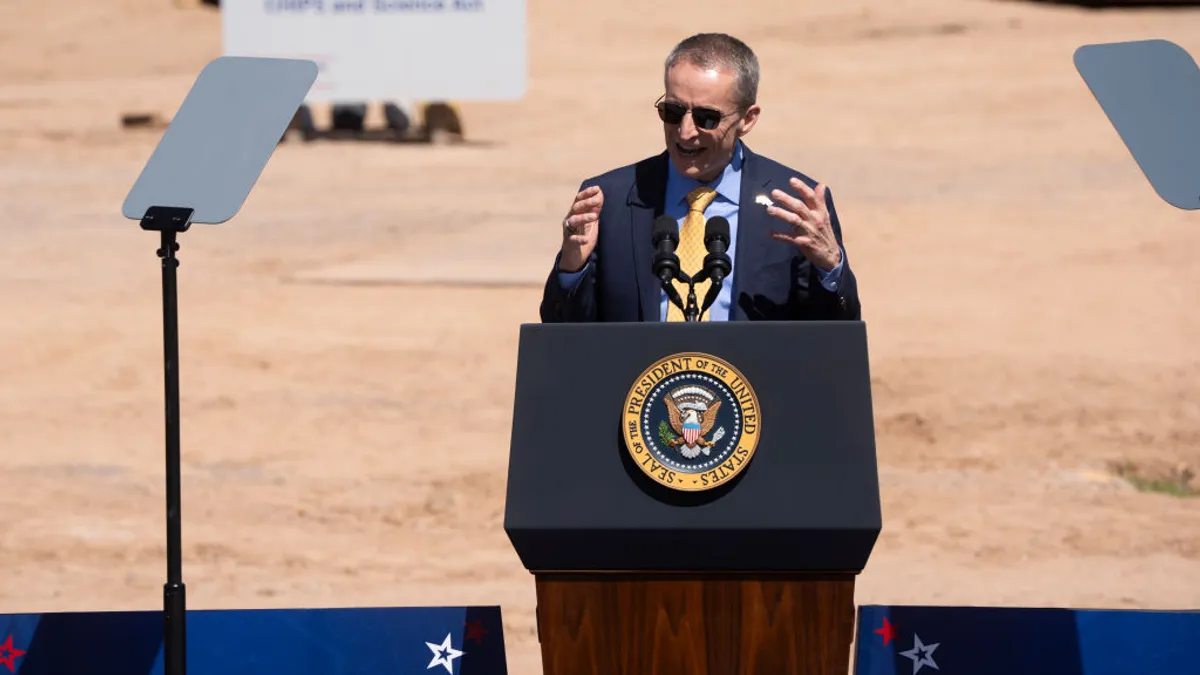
369	50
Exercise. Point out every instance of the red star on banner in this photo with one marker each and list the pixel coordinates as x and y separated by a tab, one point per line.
9	654
475	631
888	631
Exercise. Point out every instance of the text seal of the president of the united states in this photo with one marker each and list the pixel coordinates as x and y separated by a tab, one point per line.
691	421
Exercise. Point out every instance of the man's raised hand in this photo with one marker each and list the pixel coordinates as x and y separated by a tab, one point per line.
581	227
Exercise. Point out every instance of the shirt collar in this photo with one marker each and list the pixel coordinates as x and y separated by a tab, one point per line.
728	184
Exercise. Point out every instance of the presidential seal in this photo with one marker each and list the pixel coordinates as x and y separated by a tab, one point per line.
691	422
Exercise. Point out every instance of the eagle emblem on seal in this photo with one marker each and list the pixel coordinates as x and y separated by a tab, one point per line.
692	411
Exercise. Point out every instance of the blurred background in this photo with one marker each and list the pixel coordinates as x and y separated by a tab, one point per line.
348	341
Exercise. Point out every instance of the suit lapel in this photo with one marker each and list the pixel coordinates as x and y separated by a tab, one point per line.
646	200
754	229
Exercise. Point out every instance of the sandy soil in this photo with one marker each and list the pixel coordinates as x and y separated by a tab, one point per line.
1030	303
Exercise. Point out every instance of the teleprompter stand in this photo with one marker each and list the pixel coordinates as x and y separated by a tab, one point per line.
171	221
1150	92
201	172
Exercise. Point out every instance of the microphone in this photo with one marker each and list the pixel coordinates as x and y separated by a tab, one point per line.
665	237
716	240
717	264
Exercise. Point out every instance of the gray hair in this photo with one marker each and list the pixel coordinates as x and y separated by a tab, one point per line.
718	50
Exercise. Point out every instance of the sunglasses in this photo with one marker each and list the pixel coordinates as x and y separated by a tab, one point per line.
704	118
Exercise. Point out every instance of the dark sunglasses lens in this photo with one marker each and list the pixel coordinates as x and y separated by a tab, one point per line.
706	118
671	113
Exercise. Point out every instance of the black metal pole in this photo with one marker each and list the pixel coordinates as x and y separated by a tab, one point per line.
170	221
174	605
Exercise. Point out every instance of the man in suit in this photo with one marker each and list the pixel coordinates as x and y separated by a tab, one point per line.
786	243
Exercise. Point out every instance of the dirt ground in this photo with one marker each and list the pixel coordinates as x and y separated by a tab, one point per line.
1031	306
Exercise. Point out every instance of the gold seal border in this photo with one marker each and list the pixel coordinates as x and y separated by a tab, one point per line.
635	443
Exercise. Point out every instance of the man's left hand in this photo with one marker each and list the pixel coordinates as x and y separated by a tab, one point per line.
810	229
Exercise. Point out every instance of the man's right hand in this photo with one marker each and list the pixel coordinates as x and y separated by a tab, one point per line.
580	229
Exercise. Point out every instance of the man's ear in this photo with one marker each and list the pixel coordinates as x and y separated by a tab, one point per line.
749	119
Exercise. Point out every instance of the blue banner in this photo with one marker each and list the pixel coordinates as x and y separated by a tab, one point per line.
349	641
914	640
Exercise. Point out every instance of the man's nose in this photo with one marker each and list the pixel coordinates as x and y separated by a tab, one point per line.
687	127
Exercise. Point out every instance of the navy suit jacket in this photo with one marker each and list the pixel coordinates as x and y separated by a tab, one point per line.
772	280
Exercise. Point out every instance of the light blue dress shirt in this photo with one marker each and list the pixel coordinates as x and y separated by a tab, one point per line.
729	188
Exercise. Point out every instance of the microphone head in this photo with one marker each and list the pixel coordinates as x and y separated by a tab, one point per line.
717	227
665	227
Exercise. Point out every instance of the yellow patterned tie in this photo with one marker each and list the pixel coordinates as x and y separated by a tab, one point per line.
691	250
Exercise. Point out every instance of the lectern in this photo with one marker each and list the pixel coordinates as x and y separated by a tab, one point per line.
693	498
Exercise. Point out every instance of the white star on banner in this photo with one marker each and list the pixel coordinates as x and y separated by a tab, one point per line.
926	654
440	658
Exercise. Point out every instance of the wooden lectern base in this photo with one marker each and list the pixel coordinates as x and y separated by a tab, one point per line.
695	624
